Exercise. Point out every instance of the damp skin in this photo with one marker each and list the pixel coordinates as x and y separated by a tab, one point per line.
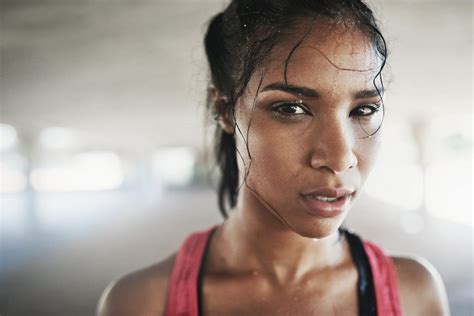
281	156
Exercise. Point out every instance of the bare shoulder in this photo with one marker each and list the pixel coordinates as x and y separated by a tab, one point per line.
142	292
422	290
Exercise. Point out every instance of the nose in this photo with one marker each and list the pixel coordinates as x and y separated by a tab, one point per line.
333	148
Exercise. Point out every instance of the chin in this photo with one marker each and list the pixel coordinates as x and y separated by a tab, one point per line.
320	228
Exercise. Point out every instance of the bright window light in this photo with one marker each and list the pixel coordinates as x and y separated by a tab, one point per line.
449	175
449	190
11	180
399	185
58	137
91	171
8	137
174	166
397	177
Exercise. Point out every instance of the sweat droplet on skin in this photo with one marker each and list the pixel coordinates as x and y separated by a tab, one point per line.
334	87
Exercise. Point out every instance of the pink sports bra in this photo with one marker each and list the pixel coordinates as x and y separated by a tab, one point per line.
377	286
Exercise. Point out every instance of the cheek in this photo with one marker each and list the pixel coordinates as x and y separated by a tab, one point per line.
275	155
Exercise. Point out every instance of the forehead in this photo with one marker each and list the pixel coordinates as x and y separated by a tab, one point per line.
323	56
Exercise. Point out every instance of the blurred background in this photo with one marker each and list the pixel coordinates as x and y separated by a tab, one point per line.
105	147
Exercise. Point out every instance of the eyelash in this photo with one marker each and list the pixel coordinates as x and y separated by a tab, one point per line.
276	109
374	107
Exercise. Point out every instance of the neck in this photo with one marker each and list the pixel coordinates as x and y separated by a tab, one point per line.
270	247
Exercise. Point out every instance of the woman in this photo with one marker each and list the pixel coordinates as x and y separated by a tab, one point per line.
297	93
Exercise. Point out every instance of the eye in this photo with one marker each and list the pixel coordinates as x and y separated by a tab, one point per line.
366	110
289	108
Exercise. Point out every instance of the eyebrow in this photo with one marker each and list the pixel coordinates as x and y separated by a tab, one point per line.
296	90
364	94
311	93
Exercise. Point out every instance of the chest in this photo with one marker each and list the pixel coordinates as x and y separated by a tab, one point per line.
334	294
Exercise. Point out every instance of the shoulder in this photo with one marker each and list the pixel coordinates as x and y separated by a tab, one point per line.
421	288
142	292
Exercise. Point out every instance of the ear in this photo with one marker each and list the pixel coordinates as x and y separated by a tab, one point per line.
220	110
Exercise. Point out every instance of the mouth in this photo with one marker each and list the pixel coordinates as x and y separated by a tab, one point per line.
328	205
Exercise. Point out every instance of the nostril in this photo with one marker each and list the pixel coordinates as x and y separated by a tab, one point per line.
355	161
335	163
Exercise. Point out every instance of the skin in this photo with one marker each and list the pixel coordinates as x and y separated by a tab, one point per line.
286	255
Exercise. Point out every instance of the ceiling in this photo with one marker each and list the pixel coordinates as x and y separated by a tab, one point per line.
130	75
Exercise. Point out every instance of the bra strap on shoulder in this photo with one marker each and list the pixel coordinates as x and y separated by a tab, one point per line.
385	280
365	283
182	296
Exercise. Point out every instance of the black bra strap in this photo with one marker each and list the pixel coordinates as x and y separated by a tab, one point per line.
365	283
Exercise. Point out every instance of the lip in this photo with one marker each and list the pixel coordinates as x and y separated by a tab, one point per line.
331	192
328	209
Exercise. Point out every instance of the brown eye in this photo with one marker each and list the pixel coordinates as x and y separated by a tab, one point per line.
289	108
366	110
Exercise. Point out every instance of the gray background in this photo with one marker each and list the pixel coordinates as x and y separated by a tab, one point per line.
130	77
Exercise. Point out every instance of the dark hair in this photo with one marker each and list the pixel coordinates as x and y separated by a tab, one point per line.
237	42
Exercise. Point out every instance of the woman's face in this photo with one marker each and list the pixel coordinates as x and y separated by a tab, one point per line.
307	139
